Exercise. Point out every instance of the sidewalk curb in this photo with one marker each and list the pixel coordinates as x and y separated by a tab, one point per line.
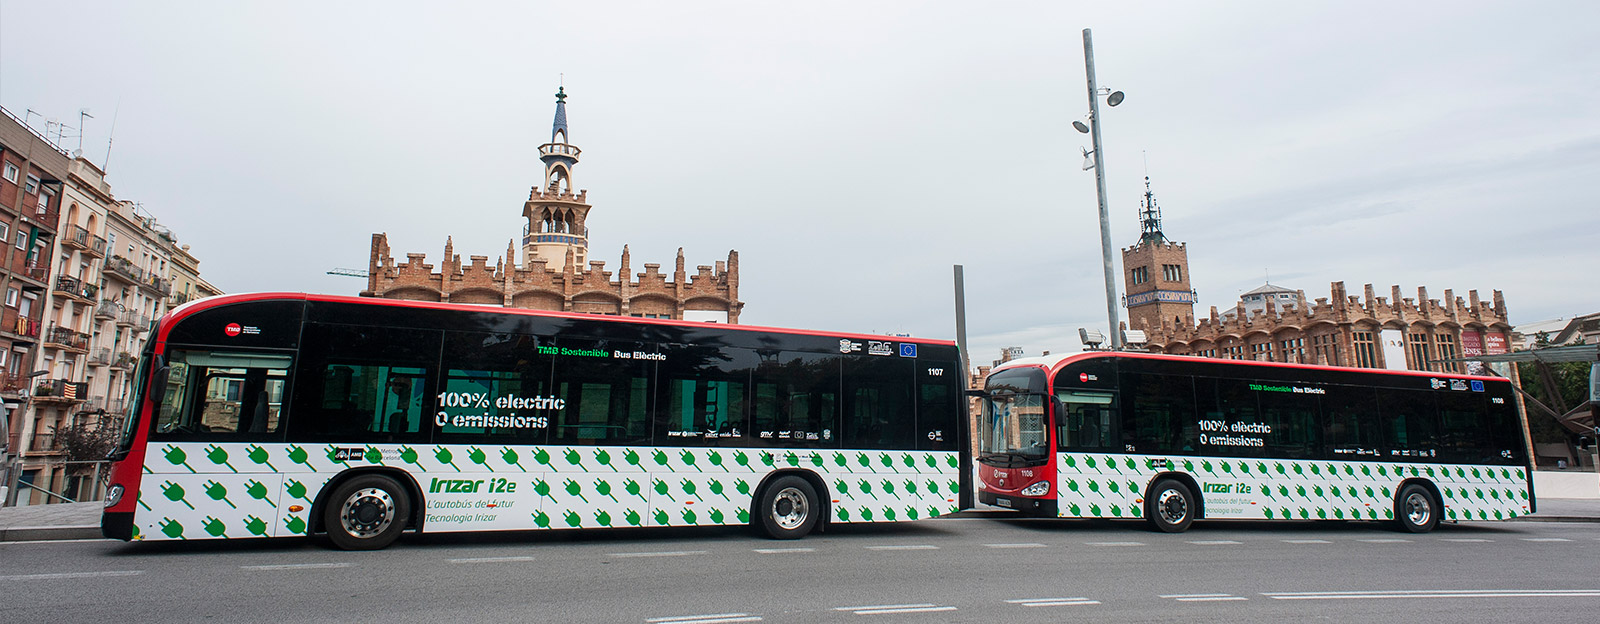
26	534
1539	518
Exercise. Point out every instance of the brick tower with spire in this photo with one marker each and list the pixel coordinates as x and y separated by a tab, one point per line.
1156	274
556	272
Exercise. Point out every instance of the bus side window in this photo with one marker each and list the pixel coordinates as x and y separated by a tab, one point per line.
1084	422
1413	420
878	412
364	384
796	400
1158	413
703	396
605	399
1350	420
1465	419
940	409
223	396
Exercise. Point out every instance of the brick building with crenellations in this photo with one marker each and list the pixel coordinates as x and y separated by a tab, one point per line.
556	273
1277	324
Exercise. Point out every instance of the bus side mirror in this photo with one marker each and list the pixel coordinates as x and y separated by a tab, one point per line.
975	394
158	384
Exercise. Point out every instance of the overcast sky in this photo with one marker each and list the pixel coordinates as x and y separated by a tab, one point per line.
852	152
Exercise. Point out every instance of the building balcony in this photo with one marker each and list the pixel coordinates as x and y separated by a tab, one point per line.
97	247
76	237
66	338
100	357
124	361
77	289
117	407
12	384
43	444
107	310
94	404
559	149
14	323
134	320
178	299
60	391
156	285
35	275
120	267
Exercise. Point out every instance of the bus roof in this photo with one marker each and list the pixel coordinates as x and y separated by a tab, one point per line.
198	305
1054	363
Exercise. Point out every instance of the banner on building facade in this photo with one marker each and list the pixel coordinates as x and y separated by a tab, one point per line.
1394	349
1471	345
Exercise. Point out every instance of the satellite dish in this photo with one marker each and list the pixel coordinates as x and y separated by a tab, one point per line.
1082	127
1115	98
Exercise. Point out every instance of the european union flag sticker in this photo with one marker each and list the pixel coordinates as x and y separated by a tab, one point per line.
908	349
1477	386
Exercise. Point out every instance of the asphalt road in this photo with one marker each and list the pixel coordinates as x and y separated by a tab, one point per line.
944	570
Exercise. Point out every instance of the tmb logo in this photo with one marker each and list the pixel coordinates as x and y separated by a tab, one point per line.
233	329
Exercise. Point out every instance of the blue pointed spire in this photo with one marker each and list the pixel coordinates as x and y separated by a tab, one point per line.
560	129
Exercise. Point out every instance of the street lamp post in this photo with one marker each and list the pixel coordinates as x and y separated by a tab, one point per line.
1100	189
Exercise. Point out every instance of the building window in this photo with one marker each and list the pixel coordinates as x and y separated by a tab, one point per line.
1141	275
32	186
22	240
11	296
5	232
1448	351
11	173
44	202
1326	349
1172	272
1293	350
1261	351
1419	351
1366	351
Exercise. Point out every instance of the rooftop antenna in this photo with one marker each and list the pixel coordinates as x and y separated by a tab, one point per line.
105	165
83	113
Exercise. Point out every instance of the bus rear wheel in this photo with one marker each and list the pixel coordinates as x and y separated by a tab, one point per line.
1170	507
788	508
367	512
1415	509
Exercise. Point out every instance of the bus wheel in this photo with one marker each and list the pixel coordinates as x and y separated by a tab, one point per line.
1170	506
366	513
788	508
1415	510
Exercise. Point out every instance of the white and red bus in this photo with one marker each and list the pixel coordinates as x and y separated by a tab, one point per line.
288	414
1172	439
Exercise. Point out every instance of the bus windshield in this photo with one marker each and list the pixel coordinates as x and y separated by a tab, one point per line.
1014	430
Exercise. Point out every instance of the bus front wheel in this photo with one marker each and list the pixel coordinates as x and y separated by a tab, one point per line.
1415	509
367	512
1170	507
788	508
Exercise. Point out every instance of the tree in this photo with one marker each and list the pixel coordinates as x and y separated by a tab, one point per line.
86	441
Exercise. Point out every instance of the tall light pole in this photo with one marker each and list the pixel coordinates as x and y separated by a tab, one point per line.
1100	187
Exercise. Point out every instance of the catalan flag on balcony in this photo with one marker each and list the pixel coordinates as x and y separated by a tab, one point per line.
69	391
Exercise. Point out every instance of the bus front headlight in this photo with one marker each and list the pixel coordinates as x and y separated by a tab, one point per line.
1038	489
113	496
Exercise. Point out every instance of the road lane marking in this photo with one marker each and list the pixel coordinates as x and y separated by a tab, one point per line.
1204	597
1545	539
779	551
1115	543
69	575
926	607
715	618
905	547
1437	593
1466	540
668	553
1306	541
1214	542
1022	545
490	559
1053	602
297	566
1386	540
